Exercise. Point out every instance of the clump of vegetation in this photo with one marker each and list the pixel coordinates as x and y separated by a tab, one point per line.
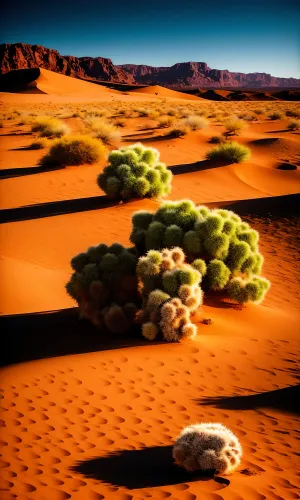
135	172
165	121
252	289
292	113
217	139
275	115
216	242
294	125
230	152
74	150
208	446
195	122
102	130
171	294
177	130
104	284
39	143
234	126
49	127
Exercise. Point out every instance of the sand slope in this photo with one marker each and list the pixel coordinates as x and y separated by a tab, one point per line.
159	91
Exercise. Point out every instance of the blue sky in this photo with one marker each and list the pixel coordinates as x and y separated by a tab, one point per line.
257	36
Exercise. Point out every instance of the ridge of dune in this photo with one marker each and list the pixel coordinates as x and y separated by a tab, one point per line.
159	91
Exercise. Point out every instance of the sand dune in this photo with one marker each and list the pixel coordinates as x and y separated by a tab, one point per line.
159	91
86	415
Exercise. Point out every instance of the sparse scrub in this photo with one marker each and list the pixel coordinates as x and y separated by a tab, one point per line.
231	152
135	172
195	122
177	130
49	127
217	139
292	113
234	126
103	130
275	115
294	125
208	446
39	143
165	121
74	150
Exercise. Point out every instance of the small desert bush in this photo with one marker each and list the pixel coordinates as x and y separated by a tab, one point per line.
119	122
102	130
217	139
74	150
275	115
135	172
195	122
39	143
258	111
177	130
234	126
294	125
231	152
49	127
104	284
293	114
24	119
165	121
208	447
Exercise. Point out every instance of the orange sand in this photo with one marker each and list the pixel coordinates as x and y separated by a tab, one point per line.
100	425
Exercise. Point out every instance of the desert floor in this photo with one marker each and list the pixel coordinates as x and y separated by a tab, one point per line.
84	416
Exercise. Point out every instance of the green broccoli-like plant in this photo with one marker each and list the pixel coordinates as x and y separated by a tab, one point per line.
248	290
215	241
171	294
135	172
105	286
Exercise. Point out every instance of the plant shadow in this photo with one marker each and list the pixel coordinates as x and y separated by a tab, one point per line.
46	334
285	399
144	468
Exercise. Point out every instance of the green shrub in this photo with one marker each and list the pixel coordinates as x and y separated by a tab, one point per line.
293	114
105	286
49	127
171	294
74	150
216	242
231	152
135	172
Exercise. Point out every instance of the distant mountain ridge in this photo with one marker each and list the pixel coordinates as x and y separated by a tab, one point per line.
181	75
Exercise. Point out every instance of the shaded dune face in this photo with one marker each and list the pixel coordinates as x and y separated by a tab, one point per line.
87	415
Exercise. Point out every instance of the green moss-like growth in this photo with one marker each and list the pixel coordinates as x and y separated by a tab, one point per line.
105	286
171	293
216	242
135	172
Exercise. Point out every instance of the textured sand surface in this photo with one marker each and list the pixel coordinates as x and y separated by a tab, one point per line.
86	416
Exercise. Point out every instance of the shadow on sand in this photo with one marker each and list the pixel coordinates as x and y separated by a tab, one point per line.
26	337
144	468
52	208
286	399
7	173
